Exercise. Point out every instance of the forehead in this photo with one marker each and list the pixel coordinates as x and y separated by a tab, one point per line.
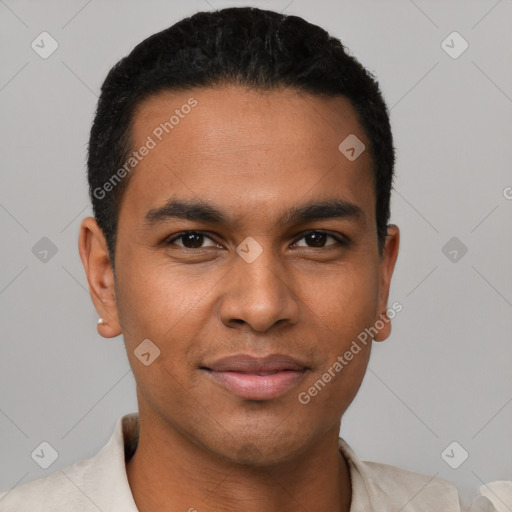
249	150
223	115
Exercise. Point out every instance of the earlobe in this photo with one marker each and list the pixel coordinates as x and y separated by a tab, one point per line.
386	268
95	258
383	326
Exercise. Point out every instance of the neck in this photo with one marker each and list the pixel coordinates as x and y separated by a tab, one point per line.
169	473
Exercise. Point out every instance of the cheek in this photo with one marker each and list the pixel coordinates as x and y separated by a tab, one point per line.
343	311
157	300
345	299
155	305
342	305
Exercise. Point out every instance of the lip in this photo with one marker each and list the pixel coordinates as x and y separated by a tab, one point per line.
257	378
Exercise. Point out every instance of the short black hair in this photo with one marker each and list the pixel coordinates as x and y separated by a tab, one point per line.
247	46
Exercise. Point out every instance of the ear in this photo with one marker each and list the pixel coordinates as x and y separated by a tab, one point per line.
386	267
93	250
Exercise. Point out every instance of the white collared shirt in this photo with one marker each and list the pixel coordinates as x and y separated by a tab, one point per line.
100	483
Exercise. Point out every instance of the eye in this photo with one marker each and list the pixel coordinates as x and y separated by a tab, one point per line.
317	239
313	239
191	240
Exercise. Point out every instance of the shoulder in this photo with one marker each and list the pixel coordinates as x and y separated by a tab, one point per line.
421	492
393	488
96	483
52	492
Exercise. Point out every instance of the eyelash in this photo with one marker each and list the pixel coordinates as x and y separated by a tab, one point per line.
342	240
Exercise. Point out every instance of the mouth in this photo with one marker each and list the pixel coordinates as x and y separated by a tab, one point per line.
253	378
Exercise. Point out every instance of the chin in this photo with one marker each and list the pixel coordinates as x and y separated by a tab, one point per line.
259	451
251	455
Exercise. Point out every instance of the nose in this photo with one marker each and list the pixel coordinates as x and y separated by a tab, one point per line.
258	294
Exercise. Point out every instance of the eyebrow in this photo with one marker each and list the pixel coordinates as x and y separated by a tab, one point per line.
200	211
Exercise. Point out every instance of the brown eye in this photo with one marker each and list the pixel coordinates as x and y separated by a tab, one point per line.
317	239
191	240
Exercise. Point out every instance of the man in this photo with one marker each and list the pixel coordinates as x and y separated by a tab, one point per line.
240	168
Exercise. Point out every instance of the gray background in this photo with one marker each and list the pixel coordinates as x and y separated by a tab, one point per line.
445	373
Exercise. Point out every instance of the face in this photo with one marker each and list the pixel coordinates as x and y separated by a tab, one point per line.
247	253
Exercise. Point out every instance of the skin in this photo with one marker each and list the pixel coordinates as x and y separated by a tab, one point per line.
253	155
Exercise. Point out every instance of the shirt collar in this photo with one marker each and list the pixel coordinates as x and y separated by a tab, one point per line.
374	486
